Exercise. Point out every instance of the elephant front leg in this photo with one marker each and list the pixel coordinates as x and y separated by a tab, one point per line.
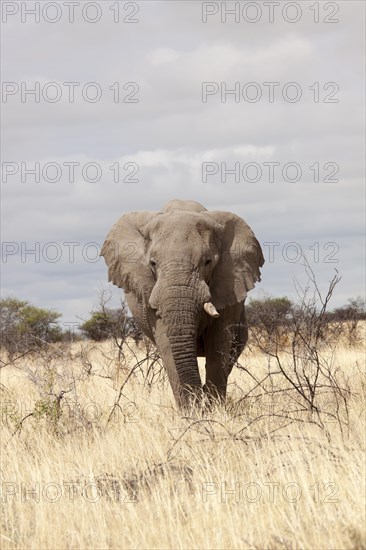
218	367
225	340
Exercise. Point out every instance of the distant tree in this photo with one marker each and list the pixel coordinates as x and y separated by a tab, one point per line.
110	323
41	323
345	320
272	319
102	324
355	309
24	327
269	317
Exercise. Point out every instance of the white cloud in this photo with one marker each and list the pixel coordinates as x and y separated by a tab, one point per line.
161	56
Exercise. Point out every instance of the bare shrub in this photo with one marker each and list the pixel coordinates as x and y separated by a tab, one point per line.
302	382
115	323
269	319
128	345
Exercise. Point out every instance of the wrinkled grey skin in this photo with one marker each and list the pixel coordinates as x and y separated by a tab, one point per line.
170	263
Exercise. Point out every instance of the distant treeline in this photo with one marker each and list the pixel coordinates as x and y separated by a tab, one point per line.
25	327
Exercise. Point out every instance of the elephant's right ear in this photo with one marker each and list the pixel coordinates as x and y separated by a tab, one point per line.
124	253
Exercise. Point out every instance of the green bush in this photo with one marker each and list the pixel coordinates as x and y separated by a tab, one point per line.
25	327
110	323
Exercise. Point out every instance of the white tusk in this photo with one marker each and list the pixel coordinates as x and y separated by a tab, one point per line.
211	310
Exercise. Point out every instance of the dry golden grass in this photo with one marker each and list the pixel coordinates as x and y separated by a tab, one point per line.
252	475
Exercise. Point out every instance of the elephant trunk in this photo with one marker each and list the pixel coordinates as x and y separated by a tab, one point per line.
183	342
182	323
180	310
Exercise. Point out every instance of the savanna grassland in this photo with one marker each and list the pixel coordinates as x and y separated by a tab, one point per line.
94	453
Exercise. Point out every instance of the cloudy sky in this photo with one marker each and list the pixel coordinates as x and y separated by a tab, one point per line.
259	112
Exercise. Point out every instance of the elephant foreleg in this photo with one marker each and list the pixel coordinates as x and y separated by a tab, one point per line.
224	342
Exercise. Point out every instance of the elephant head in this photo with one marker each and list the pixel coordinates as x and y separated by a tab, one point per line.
181	268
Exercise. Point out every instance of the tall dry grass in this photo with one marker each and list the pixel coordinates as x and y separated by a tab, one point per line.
254	474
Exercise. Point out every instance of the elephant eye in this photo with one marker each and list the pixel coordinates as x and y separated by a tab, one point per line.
208	261
152	263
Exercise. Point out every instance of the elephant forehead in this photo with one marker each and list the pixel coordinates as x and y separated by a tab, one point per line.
178	224
179	241
177	204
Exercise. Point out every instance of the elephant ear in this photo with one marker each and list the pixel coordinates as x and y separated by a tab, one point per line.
124	253
240	260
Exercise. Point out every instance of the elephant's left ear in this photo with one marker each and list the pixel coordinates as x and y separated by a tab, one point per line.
240	260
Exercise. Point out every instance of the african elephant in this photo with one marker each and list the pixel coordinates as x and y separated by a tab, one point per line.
186	272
